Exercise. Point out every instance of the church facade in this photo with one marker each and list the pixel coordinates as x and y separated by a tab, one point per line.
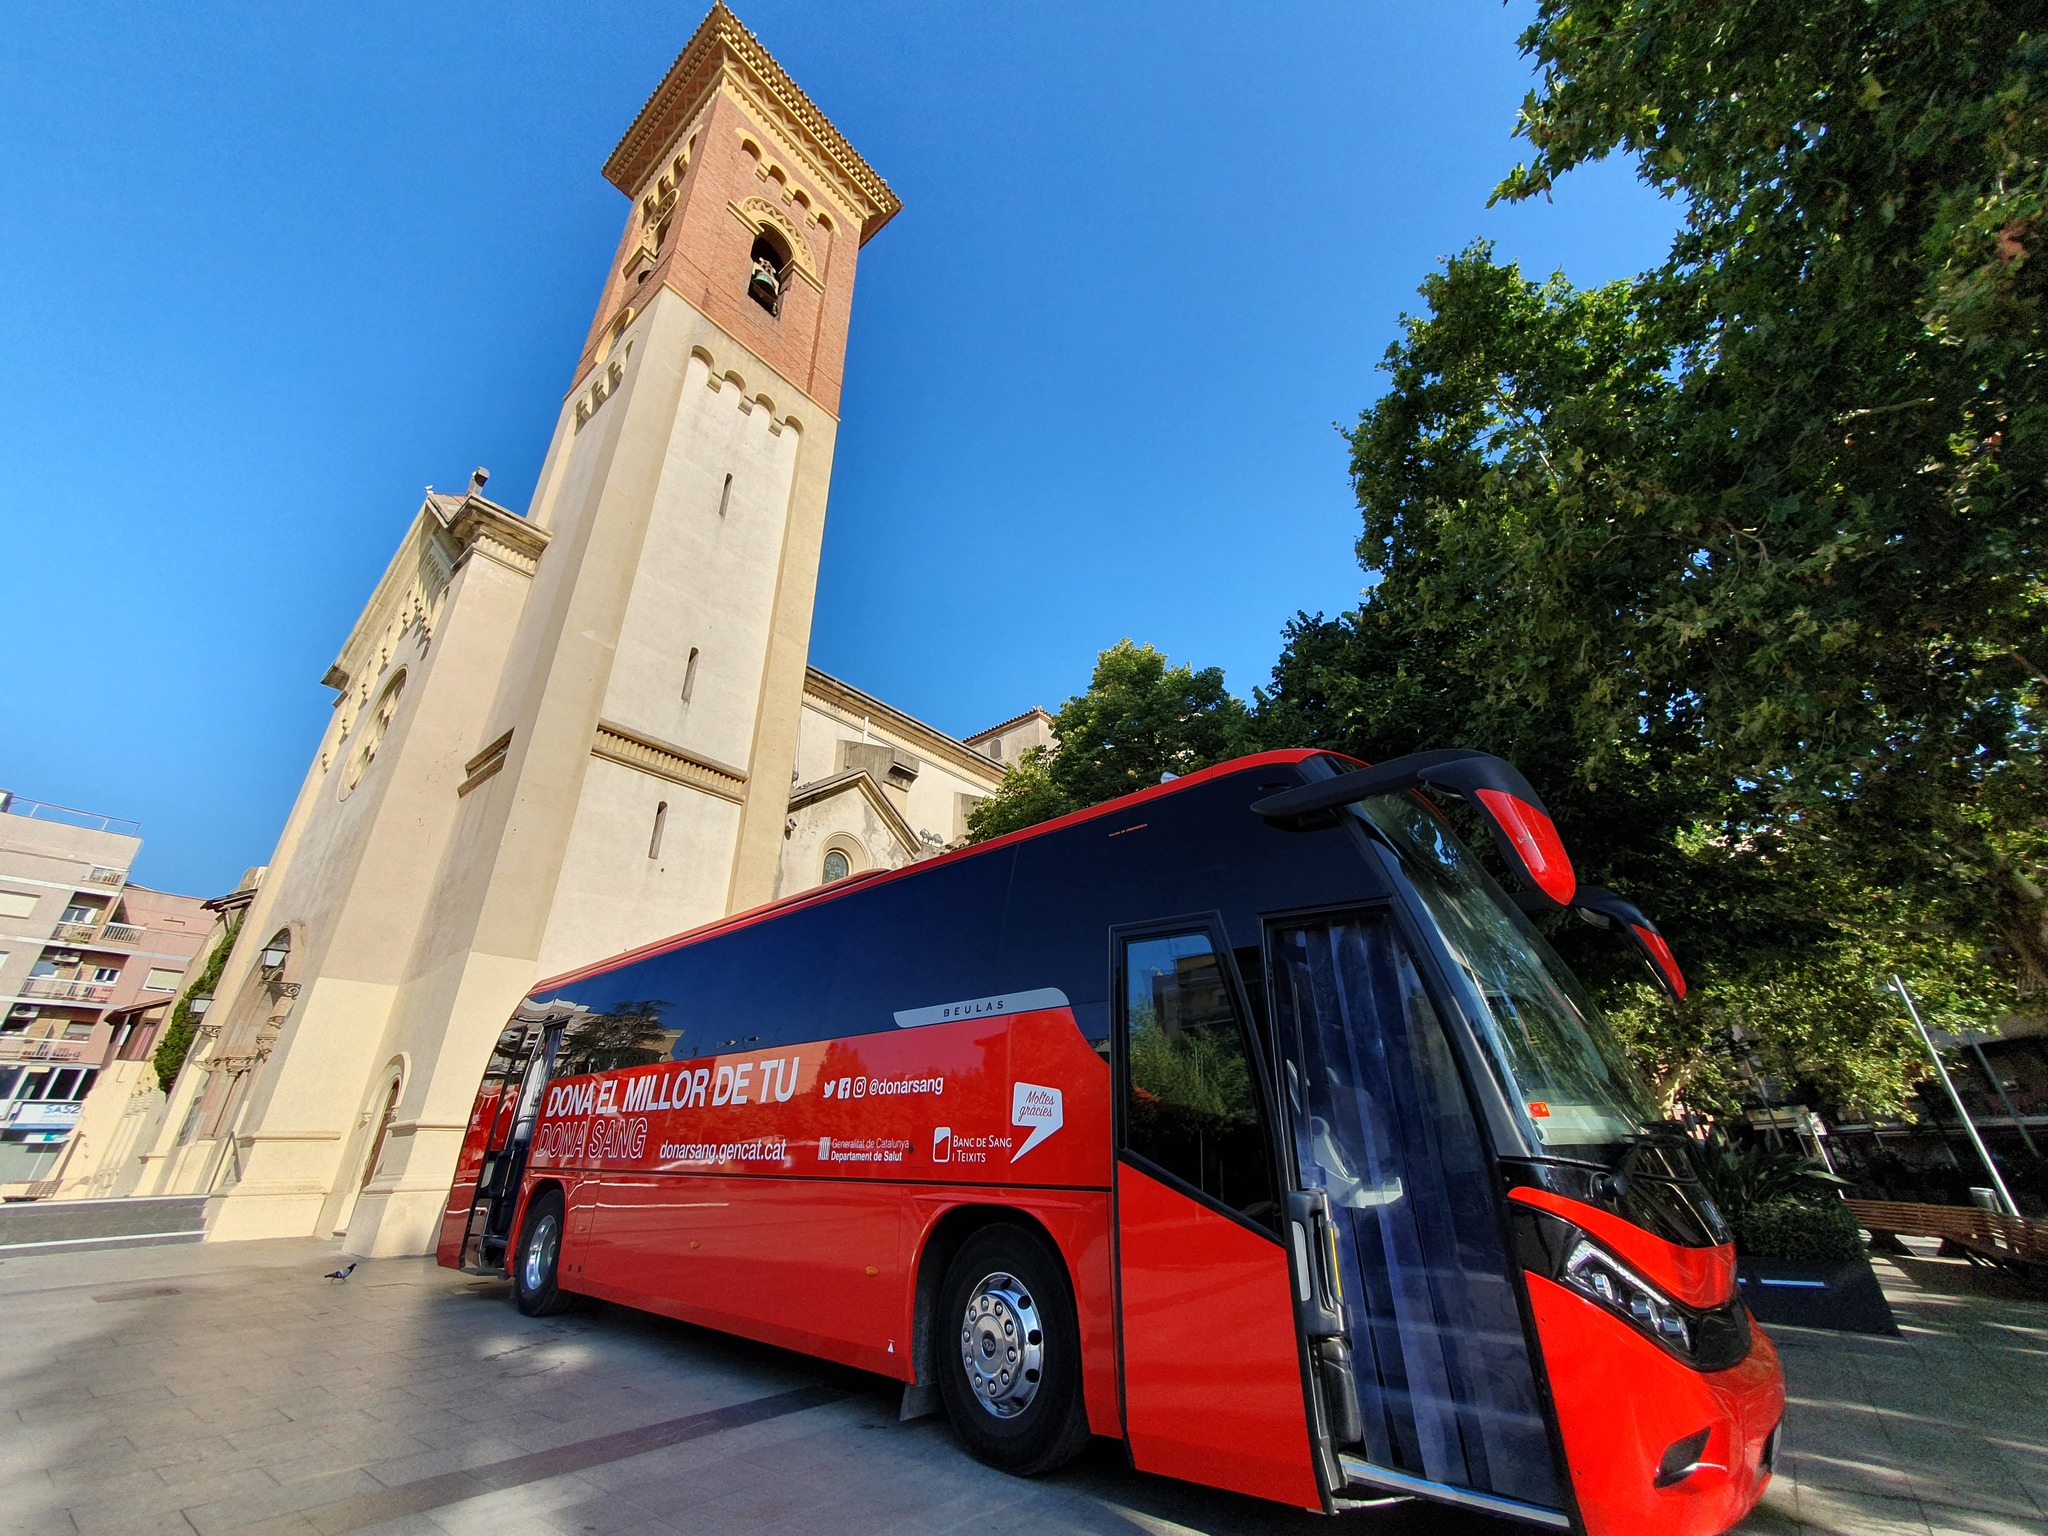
560	735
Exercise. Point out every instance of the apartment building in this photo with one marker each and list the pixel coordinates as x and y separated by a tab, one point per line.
82	953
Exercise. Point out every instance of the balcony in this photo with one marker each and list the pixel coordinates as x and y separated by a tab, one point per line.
21	1048
101	934
101	875
65	991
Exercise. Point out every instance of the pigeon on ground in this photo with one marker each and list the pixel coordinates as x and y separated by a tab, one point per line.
342	1273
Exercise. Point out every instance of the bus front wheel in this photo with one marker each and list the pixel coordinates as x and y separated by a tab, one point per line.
537	1260
1009	1367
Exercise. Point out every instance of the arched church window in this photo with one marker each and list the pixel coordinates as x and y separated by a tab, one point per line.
836	867
371	731
384	1123
770	273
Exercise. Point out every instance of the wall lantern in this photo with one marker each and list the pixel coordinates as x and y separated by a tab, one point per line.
274	956
197	1004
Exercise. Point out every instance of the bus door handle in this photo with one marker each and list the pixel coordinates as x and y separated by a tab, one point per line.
1319	1299
1318	1292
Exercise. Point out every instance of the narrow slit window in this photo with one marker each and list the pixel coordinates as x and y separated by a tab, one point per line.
660	822
690	675
725	497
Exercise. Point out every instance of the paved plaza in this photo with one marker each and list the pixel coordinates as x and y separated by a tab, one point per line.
227	1387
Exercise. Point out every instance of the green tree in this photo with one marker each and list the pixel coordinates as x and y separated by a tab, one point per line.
175	1044
1838	552
1139	719
1742	559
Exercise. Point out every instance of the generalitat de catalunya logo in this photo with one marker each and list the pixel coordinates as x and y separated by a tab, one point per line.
1037	1108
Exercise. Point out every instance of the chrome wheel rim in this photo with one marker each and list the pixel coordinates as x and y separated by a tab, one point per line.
540	1252
1002	1345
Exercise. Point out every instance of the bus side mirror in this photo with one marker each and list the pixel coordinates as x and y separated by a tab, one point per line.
1521	827
1603	909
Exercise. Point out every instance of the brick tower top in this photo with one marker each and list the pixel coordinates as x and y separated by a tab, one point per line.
749	204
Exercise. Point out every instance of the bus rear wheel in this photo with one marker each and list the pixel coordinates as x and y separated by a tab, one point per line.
537	1260
1009	1352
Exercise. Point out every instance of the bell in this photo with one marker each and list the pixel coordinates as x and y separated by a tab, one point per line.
764	283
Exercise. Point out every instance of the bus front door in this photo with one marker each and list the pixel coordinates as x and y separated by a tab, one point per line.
520	1067
1391	1160
1211	1363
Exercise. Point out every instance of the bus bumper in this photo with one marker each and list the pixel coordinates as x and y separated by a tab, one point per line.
1631	1416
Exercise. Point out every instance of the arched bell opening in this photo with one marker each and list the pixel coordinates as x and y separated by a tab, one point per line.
768	278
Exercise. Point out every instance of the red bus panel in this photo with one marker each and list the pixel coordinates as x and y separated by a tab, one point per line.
1212	1368
1622	1402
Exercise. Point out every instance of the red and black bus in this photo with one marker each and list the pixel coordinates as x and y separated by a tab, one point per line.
1244	1119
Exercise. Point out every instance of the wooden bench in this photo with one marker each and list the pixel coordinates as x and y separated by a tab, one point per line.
2009	1240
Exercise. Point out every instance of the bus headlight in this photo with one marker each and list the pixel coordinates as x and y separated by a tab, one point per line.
1597	1274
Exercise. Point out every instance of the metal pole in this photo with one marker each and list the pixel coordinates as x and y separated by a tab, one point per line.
1969	1125
1770	1110
1997	1087
1820	1143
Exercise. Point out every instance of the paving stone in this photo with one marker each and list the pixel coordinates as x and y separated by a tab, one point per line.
257	1398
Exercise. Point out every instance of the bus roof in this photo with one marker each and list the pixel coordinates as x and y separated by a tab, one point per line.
838	888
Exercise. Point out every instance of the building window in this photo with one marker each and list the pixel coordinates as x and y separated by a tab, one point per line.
660	822
690	675
17	904
79	912
161	979
836	866
43	968
725	496
106	975
995	748
78	1029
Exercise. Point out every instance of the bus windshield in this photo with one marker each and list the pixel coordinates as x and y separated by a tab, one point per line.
1576	1091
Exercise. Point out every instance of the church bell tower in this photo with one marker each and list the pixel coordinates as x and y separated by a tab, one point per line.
694	453
584	720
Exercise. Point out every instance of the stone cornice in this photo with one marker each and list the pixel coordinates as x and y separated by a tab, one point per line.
1035	712
859	778
486	528
665	760
446	532
851	705
723	50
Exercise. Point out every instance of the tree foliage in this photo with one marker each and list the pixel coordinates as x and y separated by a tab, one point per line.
1741	560
182	1028
1140	718
1838	548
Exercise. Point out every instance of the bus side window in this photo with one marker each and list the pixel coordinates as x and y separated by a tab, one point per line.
630	1034
1190	1108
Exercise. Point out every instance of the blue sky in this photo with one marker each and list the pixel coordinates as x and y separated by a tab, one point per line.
266	271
